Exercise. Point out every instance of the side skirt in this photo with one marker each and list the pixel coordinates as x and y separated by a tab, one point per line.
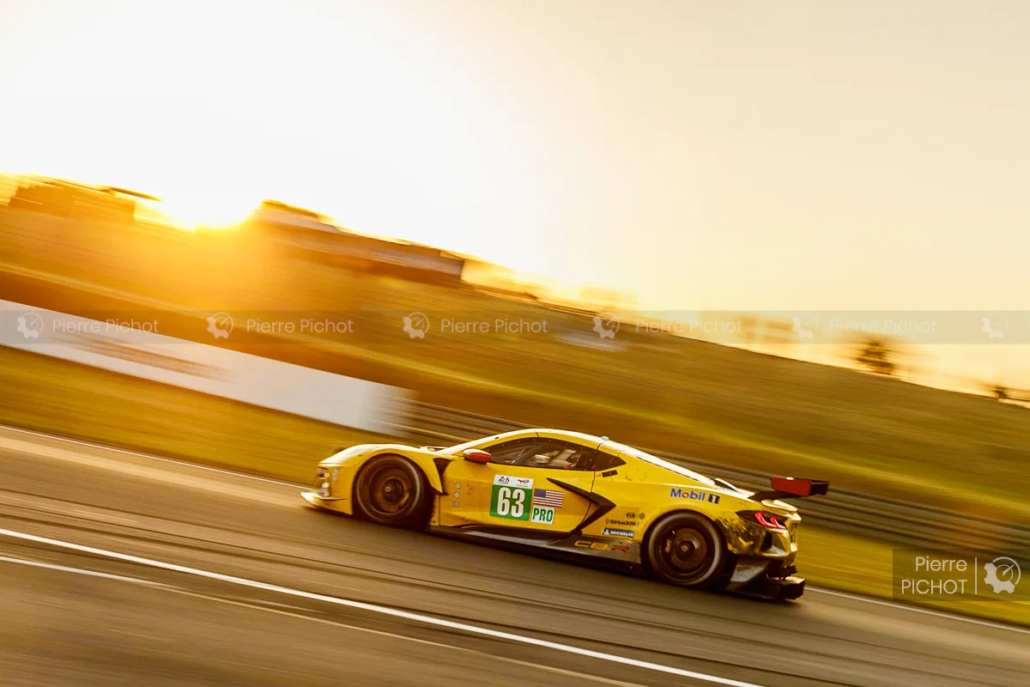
616	550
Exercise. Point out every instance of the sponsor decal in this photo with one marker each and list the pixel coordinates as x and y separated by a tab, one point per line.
547	497
608	473
626	523
509	481
542	515
602	546
619	533
693	495
511	498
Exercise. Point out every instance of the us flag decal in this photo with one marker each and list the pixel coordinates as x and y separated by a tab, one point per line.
546	497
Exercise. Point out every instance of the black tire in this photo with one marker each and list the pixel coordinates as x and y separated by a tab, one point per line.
686	550
391	490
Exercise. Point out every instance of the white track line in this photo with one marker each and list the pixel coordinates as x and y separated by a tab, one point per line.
80	571
303	615
903	607
137	454
383	610
251	604
853	597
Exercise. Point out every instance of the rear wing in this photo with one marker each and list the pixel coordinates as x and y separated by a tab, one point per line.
790	488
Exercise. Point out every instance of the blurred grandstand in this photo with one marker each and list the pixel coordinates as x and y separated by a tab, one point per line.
310	235
74	201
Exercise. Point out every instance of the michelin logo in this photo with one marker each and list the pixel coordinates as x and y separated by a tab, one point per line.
693	495
628	534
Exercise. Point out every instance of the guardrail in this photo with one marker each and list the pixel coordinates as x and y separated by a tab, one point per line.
890	520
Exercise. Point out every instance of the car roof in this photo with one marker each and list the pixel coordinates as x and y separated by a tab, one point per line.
576	437
601	443
564	434
625	452
622	450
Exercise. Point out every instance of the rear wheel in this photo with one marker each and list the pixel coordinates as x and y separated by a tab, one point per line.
392	490
687	550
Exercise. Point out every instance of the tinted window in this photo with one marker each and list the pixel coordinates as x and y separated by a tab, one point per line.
606	461
544	453
512	452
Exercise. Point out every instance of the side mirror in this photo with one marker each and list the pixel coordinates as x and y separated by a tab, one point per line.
476	456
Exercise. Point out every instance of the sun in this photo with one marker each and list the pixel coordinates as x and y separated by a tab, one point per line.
211	211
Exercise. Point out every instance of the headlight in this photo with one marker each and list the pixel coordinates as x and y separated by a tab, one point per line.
321	484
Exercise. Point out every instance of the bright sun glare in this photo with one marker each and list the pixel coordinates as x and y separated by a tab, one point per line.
314	112
203	211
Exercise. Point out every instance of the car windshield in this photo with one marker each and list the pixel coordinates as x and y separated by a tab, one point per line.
672	467
455	450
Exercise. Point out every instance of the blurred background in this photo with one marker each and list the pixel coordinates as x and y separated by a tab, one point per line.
642	222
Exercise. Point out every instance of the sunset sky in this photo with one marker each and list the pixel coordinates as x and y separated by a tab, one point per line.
726	155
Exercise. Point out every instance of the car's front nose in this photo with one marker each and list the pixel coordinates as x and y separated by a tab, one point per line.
322	487
323	490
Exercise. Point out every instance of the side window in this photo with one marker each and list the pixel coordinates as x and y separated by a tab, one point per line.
512	452
558	455
606	461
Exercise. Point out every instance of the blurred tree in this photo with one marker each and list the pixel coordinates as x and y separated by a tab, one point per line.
876	357
1001	392
292	209
8	185
607	299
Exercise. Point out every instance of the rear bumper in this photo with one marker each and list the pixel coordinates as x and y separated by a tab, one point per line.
777	588
769	578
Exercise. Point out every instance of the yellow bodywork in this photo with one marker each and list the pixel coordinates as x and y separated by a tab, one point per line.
603	511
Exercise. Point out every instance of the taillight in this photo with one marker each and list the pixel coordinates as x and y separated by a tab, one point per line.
769	521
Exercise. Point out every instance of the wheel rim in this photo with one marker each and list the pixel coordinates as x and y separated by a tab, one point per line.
390	490
684	553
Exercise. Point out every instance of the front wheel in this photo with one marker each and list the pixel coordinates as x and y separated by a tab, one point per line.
391	490
687	550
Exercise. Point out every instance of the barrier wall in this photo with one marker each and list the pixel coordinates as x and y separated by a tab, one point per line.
133	348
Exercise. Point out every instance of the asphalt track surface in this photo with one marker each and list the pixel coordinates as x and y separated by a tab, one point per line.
121	569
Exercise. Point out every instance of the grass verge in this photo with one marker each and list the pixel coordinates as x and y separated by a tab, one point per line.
74	400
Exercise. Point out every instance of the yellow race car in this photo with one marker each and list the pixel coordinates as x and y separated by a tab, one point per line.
576	493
